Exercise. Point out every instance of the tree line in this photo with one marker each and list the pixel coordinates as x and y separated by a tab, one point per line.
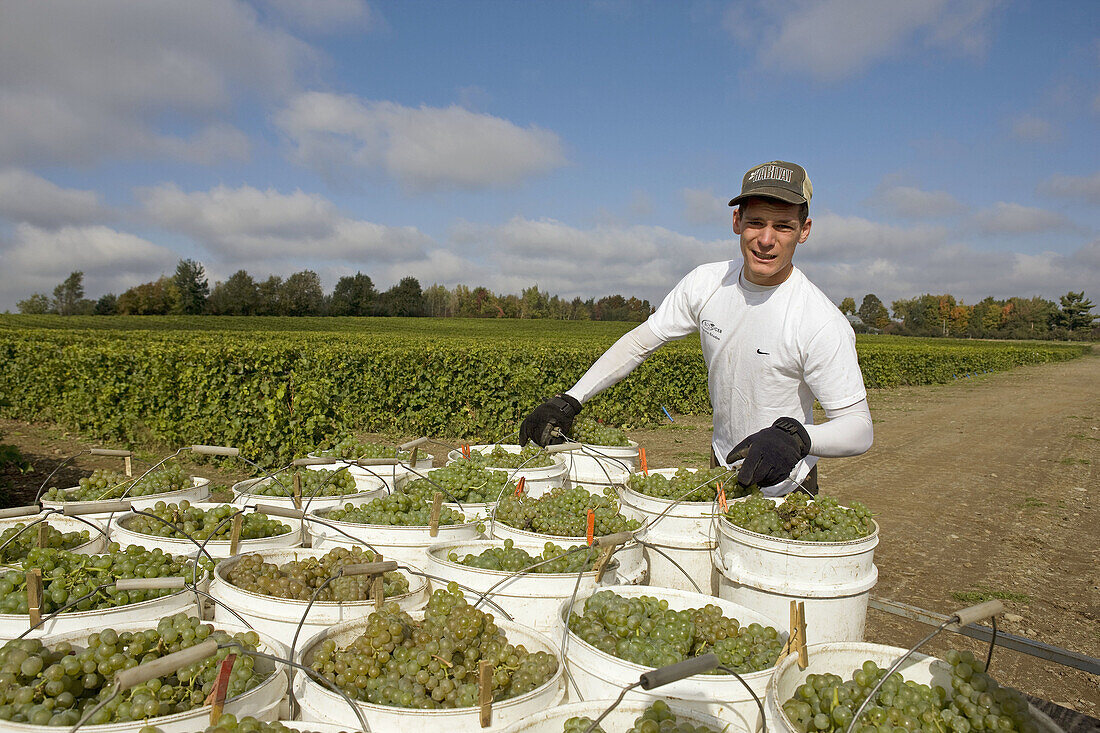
188	292
943	315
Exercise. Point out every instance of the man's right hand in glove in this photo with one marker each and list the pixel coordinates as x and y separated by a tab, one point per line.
556	412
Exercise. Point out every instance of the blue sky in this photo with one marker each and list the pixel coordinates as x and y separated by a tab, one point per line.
586	147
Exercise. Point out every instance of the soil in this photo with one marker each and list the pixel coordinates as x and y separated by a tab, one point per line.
985	487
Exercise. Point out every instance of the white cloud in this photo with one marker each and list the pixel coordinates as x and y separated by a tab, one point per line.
37	259
423	148
245	223
907	202
645	261
851	256
82	82
1079	188
835	39
1030	128
28	198
702	206
1009	218
324	16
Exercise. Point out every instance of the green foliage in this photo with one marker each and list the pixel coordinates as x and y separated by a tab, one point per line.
274	386
873	312
1075	312
192	287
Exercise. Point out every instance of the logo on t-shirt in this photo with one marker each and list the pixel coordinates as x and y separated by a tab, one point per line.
710	329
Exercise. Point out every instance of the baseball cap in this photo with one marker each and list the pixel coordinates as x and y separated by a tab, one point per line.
776	179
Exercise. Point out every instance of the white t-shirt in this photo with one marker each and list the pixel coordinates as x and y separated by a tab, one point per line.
770	351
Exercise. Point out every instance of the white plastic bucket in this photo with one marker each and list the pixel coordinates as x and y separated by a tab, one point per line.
766	573
404	544
537	481
261	702
598	675
199	490
315	727
216	547
368	488
601	465
75	622
684	534
842	658
279	617
97	539
632	564
394	476
532	599
621	718
321	704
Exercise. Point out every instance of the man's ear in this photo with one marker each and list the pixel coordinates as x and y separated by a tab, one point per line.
737	221
805	231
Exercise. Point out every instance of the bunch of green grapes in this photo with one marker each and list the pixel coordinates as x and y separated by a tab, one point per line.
299	579
564	513
176	519
826	702
104	484
530	456
644	630
705	484
464	481
350	448
67	576
587	430
314	483
229	723
513	559
56	685
800	518
431	663
397	509
20	540
657	718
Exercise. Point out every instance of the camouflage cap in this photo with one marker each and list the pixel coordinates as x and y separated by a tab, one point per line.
776	179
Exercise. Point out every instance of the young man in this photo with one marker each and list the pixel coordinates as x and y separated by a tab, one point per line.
772	342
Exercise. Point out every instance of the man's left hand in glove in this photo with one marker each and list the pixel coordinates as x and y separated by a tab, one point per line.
771	454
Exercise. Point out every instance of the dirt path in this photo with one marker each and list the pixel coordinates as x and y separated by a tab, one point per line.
988	485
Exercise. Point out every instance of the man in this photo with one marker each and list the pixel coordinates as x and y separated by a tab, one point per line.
771	340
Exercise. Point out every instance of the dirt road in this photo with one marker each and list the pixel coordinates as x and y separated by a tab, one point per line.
988	485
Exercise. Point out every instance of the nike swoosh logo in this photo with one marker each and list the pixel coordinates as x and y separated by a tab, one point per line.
758	351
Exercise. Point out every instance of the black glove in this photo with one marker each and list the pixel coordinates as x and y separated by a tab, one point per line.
772	453
556	412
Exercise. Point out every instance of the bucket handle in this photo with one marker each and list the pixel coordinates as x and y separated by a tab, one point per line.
719	559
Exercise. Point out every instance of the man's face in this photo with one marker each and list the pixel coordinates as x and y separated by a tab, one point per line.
769	231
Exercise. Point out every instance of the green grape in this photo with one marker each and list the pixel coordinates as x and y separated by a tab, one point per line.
827	702
313	482
432	663
67	576
646	631
563	512
657	718
587	430
299	579
55	685
103	485
510	558
176	519
530	456
229	723
464	481
821	519
705	484
398	509
21	540
350	448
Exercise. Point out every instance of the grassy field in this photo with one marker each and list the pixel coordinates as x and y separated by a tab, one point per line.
271	385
